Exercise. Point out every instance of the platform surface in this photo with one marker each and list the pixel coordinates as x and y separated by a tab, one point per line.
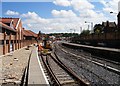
93	47
36	74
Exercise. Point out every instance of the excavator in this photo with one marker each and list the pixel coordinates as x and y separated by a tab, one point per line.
47	45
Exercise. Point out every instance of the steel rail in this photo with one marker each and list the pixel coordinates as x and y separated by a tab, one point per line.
53	77
98	63
89	71
71	72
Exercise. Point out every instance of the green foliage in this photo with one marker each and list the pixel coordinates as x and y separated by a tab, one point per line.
85	32
98	28
63	34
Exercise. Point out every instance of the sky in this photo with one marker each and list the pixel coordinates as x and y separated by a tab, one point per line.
60	16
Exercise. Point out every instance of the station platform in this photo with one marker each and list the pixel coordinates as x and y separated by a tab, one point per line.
36	73
110	54
93	47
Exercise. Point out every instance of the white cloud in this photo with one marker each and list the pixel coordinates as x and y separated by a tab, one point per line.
86	10
112	5
30	14
89	13
76	4
59	24
12	13
62	2
80	5
32	17
63	13
29	25
83	7
64	20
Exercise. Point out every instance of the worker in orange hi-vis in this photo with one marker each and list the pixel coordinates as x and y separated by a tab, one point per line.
39	49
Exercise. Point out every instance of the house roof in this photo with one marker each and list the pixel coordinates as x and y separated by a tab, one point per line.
9	20
29	33
33	34
109	24
6	27
26	33
5	23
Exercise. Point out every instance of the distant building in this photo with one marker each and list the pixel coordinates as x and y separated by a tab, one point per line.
109	26
29	37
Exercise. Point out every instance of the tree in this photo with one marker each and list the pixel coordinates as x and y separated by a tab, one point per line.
98	28
85	32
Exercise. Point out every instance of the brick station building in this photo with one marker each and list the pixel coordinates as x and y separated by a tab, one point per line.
13	36
29	37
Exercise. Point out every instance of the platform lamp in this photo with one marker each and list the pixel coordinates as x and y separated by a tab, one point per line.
118	14
91	25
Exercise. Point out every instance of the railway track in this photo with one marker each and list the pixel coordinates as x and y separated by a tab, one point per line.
108	64
60	74
99	73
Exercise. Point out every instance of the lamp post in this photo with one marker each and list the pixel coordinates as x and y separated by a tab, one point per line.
72	30
91	24
117	16
113	12
80	29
